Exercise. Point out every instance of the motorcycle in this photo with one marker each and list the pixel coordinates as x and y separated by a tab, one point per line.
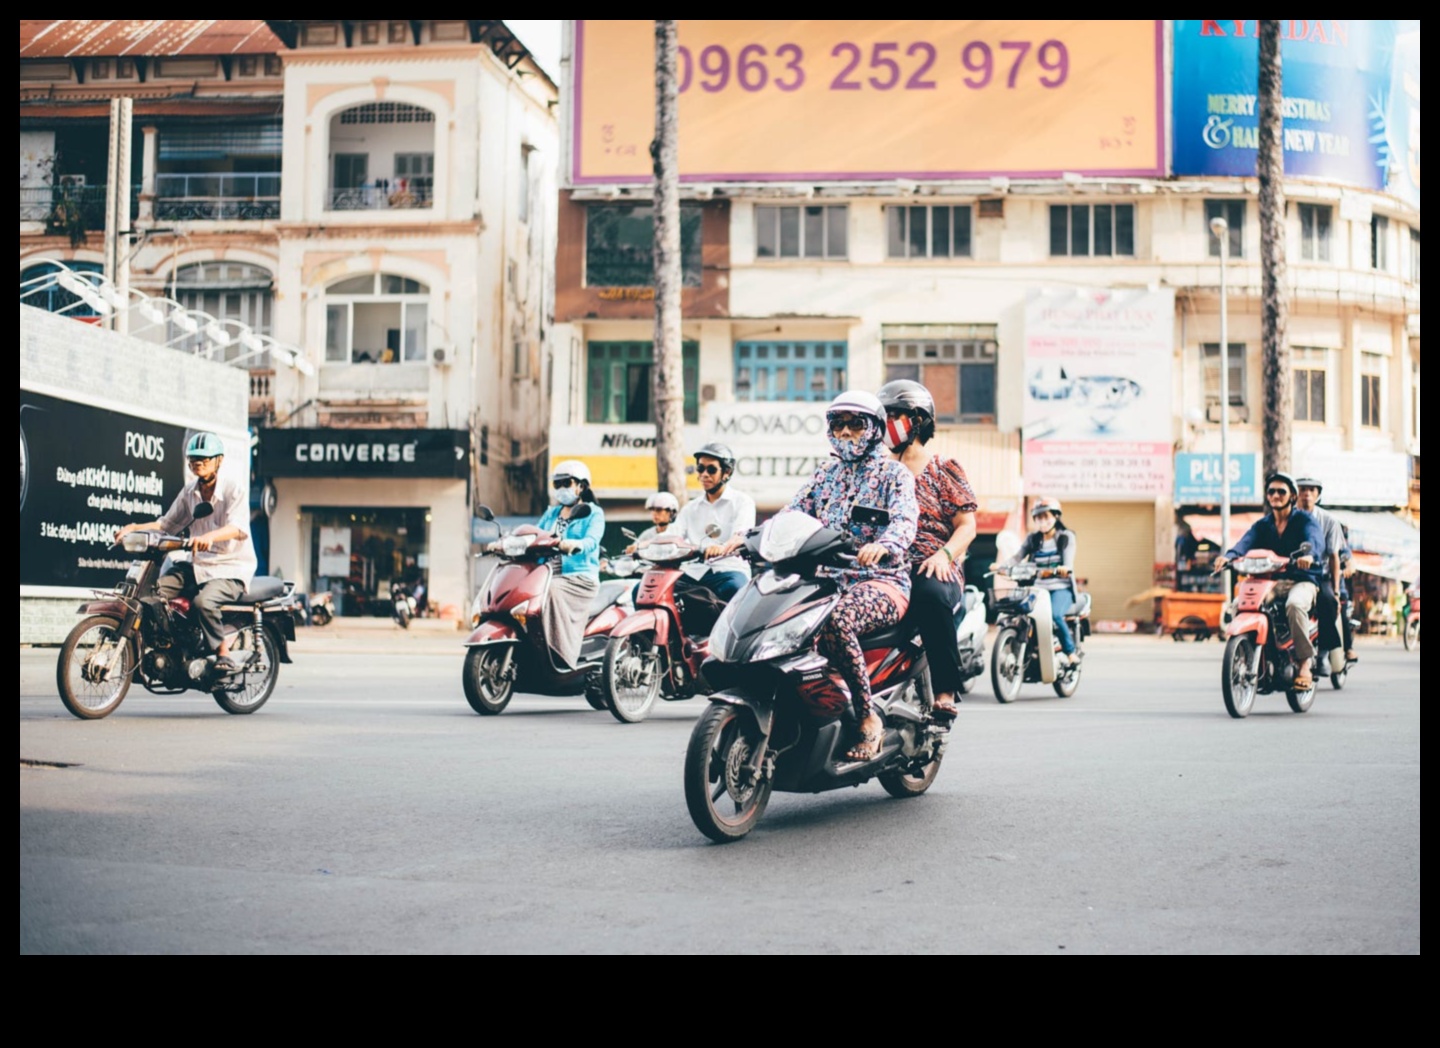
132	633
779	716
322	608
1412	624
1026	648
1325	663
659	648
970	630
1258	654
507	648
402	604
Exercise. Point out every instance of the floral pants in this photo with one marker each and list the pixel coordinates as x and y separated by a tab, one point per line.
864	609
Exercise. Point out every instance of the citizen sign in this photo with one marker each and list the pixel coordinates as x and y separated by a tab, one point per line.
350	452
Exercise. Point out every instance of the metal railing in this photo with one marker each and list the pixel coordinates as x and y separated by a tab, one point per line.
370	198
53	205
216	195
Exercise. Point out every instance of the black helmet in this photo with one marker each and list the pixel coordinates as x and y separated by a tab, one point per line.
1285	479
909	396
721	453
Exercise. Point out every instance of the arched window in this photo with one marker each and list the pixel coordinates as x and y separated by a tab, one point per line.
378	318
227	291
50	296
382	157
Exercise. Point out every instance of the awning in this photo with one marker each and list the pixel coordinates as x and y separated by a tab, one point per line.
1207	526
1384	543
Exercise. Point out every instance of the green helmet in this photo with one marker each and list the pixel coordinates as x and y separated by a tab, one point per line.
204	445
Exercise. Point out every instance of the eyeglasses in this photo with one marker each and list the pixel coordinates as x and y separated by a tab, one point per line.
850	422
561	482
202	459
707	469
1282	492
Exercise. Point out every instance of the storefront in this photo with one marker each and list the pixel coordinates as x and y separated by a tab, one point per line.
369	508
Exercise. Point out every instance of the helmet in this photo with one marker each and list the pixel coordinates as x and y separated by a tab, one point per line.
906	395
858	402
663	500
571	468
204	445
1045	504
1285	479
721	453
1309	482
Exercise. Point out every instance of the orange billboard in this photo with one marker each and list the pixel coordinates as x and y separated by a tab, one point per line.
865	100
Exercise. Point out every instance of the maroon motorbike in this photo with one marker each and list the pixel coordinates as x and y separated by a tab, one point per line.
657	650
507	649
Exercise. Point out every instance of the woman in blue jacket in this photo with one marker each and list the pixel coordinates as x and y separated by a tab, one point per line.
577	518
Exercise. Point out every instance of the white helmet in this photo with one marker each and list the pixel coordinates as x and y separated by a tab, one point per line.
572	468
859	402
663	500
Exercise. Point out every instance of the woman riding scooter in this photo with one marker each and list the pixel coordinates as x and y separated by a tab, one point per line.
1052	547
580	522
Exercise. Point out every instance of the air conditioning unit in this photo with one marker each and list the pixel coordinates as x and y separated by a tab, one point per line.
442	356
1238	412
75	181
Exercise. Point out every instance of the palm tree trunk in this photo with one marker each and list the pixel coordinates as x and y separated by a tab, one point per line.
669	392
1270	169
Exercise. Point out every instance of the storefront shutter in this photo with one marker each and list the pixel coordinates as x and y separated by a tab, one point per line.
1115	554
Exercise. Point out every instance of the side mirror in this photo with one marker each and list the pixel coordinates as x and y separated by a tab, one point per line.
486	531
629	534
484	513
203	510
1304	550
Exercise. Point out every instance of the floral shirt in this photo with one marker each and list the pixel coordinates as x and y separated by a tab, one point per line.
943	490
876	480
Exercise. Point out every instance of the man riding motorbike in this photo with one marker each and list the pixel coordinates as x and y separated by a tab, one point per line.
1282	530
1333	560
580	522
717	523
222	559
1052	547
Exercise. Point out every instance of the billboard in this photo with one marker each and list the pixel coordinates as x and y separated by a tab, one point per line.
1198	479
874	99
1097	419
1336	79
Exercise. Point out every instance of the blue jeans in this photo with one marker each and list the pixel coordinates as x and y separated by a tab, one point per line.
1061	601
724	584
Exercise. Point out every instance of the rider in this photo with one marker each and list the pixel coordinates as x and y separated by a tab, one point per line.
222	560
663	508
580	522
1282	531
1333	560
1052	547
866	493
944	531
717	523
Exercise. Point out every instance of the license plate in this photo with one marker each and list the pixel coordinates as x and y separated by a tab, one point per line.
135	571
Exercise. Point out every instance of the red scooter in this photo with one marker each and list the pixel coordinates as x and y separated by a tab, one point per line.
1412	624
657	651
1259	656
507	648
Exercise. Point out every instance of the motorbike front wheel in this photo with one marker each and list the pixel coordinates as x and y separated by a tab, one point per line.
632	676
1068	680
1412	635
486	689
902	784
247	690
320	616
1300	701
724	796
402	617
1007	664
94	669
1238	683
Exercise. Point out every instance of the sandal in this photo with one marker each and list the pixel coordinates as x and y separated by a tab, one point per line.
868	748
224	664
1303	681
945	709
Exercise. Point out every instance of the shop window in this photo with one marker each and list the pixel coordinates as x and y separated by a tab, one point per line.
789	370
1233	212
1315	232
1211	369
357	552
928	231
818	231
620	245
377	318
620	381
1092	229
960	375
1310	376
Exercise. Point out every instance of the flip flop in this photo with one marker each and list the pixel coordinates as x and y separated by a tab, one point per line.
945	710
225	664
873	743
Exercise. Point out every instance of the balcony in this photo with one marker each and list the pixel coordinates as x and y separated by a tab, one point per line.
69	208
395	197
262	392
216	196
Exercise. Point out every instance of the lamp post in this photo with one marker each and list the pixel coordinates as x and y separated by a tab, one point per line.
1221	229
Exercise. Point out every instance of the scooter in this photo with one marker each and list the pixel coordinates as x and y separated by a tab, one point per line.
1026	648
1412	624
1259	652
970	631
507	648
321	608
658	650
402	604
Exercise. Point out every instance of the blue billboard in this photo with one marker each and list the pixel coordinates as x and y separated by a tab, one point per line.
1197	479
1337	80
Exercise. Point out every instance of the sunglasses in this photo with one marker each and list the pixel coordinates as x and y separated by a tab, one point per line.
561	482
844	422
203	458
707	469
1278	491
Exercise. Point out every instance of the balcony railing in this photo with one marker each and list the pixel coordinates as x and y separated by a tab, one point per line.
254	196
371	198
63	208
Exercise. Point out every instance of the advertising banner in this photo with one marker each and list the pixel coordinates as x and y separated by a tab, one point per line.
365	453
84	472
1336	80
1197	479
1097	418
764	100
334	552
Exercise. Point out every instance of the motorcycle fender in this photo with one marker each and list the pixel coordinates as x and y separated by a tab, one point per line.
645	619
1251	622
277	634
494	631
1044	635
104	607
607	622
762	708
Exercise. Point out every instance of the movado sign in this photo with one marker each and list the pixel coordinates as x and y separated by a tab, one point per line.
365	452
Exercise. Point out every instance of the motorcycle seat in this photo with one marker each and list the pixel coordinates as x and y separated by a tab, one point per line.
261	589
610	591
1081	607
889	637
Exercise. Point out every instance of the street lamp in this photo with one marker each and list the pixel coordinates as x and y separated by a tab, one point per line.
1221	229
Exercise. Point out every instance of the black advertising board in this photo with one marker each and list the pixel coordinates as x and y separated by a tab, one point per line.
365	453
84	471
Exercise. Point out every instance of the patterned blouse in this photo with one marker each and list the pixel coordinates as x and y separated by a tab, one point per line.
877	481
943	490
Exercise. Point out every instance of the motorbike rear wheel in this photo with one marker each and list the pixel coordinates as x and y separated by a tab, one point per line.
1068	680
88	652
901	784
247	691
486	691
1300	701
724	798
1237	684
632	676
1412	635
1007	664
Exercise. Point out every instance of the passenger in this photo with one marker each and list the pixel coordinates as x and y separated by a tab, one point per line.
944	532
717	523
1333	560
871	496
1052	547
580	522
663	507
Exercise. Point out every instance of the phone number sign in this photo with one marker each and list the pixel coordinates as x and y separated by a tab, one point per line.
785	100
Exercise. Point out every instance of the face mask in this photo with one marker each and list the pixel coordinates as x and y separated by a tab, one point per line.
899	431
853	449
567	496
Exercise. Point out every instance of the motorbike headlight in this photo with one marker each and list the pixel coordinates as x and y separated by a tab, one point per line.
1256	565
515	545
136	542
789	635
660	551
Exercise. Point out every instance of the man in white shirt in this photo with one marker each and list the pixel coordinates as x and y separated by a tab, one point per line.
717	522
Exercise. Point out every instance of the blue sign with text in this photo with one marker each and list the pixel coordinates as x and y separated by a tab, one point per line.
1197	479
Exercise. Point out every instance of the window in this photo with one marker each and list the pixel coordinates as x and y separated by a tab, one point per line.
817	231
520	359
790	370
930	231
1315	232
620	245
227	291
378	318
415	173
50	296
351	170
1414	256
1092	229
1236	357
1233	212
1372	389
1379	242
959	374
619	383
1310	375
522	206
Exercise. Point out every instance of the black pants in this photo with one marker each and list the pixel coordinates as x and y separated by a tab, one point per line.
206	601
1327	610
933	604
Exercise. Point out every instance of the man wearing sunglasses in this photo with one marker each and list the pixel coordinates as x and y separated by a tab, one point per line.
1282	530
717	522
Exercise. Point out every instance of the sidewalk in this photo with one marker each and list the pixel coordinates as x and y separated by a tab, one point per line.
375	636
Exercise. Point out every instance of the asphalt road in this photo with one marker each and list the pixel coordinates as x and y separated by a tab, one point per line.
366	809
